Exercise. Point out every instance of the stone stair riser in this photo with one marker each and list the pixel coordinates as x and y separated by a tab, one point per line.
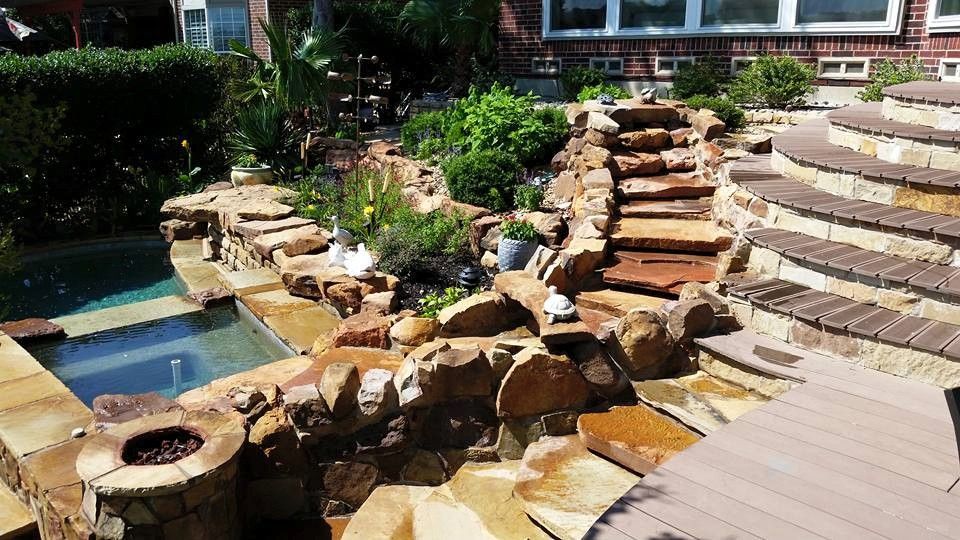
905	151
910	111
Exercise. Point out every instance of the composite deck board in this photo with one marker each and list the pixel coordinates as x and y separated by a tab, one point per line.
696	523
621	519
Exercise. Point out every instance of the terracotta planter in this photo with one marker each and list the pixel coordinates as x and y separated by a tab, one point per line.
514	254
249	176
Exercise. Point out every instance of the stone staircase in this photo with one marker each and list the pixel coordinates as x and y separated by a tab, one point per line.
850	231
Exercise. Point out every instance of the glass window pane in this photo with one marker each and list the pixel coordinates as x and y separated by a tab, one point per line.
833	68
855	68
665	65
948	8
949	70
814	11
576	14
227	23
195	27
717	12
652	13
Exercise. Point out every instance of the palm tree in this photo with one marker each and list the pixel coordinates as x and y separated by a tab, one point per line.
466	27
296	77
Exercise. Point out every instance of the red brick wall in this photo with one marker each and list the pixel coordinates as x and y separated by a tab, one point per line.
256	10
521	39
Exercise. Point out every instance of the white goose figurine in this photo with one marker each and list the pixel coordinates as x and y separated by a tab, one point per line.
335	256
360	264
558	307
342	236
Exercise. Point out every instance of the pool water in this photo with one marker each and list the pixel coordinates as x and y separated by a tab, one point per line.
136	359
68	284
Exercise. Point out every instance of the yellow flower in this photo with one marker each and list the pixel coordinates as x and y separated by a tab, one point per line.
185	144
368	211
311	207
386	227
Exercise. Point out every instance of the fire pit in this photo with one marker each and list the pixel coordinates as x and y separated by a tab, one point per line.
170	475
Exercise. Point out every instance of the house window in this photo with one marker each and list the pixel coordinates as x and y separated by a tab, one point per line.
610	66
652	13
943	16
950	69
545	66
843	68
195	27
835	11
667	66
948	8
728	12
578	14
578	19
740	63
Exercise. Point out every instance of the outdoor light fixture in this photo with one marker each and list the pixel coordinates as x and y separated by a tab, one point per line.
471	277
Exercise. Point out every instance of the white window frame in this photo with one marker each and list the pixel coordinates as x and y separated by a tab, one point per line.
606	65
547	70
787	24
943	62
864	75
189	5
938	24
733	64
671	72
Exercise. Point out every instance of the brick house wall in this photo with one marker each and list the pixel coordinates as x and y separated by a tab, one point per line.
521	40
273	10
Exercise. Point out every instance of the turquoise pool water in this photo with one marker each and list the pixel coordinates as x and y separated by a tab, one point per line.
136	359
59	285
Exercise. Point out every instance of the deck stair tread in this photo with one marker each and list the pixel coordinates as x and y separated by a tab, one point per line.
867	117
844	315
754	174
672	208
931	92
934	277
807	143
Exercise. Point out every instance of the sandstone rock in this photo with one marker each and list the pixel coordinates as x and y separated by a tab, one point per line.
32	330
363	330
635	111
680	137
582	257
212	297
339	386
555	467
478	504
646	139
387	513
350	482
542	258
699	291
635	163
530	293
550	226
709	154
500	362
636	437
377	395
307	244
602	123
306	408
598	369
679	160
590	157
491	240
539	382
299	274
479	229
463	372
689	319
112	409
274	447
381	303
260	202
565	186
251	230
414	331
218	186
462	423
266	244
600	138
424	467
515	435
670	234
477	315
707	126
559	161
451	208
415	383
490	262
560	423
645	342
555	276
176	229
598	179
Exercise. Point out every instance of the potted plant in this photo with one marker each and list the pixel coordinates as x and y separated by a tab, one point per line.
247	171
517	245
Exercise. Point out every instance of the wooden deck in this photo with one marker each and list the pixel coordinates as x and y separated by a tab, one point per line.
849	453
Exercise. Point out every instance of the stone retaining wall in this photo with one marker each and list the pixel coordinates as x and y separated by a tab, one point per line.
919	112
916	152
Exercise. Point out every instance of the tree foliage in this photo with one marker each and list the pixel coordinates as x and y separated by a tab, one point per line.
773	81
888	73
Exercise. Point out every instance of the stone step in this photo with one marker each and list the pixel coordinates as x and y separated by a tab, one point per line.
616	303
698	209
661	272
16	520
636	437
666	186
670	234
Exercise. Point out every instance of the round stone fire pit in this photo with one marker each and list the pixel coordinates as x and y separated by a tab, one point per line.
171	475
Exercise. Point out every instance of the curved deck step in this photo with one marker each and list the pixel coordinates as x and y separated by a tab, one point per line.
934	277
867	117
754	174
807	143
846	315
929	92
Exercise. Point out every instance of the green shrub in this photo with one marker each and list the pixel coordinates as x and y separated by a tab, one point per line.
414	241
575	79
421	127
592	92
487	178
703	78
529	198
264	130
773	81
888	73
515	229
432	304
433	150
9	262
500	120
726	109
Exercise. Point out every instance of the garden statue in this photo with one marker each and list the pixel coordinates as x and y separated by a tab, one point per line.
649	95
606	99
360	264
342	236
335	257
558	307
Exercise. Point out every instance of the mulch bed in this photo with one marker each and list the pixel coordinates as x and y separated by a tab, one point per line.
440	273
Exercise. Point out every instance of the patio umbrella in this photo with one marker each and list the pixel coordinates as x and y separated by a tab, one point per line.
11	30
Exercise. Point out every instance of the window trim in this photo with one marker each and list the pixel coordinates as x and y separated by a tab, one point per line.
670	72
787	24
844	75
191	5
937	24
941	65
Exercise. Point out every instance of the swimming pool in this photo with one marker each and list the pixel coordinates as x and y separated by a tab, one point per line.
135	359
79	280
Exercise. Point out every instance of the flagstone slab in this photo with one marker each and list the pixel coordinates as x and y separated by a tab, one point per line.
365	359
29	389
275	302
15	361
82	324
666	186
52	468
273	373
617	303
301	329
565	488
672	209
254	229
664	272
729	400
681	403
15	518
670	234
244	282
387	513
636	437
250	202
43	423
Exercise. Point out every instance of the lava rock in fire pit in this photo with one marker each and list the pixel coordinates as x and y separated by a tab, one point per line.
160	447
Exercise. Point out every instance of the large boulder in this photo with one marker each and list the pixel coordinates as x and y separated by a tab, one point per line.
273	447
478	315
550	226
596	366
635	164
365	329
539	382
688	319
479	229
350	482
377	395
306	408
709	127
461	423
414	331
339	386
463	372
645	344
646	140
